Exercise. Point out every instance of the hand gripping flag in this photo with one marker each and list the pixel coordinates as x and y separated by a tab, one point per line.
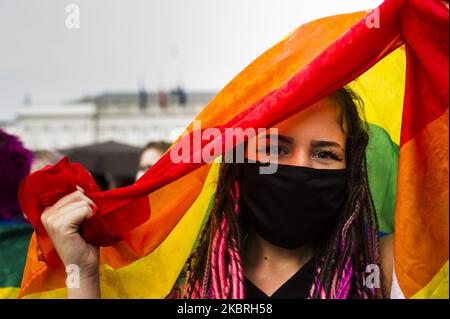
395	57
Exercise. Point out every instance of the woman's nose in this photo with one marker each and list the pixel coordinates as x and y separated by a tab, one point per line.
300	157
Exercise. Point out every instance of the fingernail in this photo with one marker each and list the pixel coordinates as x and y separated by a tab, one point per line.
80	189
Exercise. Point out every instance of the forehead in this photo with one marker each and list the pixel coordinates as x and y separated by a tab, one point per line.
320	120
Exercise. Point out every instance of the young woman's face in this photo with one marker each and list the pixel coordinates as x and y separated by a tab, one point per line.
311	138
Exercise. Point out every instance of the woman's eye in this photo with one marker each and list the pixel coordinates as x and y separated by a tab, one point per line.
327	155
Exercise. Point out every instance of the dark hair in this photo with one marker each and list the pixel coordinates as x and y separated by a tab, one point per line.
215	268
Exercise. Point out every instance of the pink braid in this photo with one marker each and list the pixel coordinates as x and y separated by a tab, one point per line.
224	285
214	266
344	285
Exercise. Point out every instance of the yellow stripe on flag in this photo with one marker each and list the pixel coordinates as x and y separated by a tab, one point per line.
9	292
437	288
382	90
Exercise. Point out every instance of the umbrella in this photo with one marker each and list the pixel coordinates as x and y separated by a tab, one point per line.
119	160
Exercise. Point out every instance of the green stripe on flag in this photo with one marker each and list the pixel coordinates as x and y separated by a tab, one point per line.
382	161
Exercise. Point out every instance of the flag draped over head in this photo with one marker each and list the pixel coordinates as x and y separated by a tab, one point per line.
395	57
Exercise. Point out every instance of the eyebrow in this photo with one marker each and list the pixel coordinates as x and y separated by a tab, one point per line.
316	143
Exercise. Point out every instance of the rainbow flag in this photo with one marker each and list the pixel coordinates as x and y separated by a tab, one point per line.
395	57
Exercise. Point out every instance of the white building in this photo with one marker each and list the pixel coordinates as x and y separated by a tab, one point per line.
129	118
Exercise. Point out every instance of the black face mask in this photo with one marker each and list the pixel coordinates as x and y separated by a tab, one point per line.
295	205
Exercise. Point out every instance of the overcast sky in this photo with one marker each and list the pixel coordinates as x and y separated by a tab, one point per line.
121	44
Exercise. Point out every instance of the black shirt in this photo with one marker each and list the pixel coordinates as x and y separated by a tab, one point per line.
296	287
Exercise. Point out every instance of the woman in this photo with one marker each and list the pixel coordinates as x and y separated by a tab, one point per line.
318	244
